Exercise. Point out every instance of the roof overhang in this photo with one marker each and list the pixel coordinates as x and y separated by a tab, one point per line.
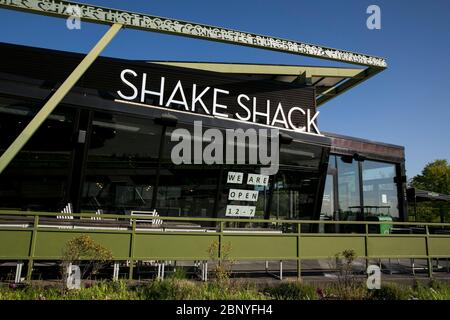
328	81
424	195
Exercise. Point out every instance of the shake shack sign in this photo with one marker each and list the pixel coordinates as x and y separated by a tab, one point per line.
237	99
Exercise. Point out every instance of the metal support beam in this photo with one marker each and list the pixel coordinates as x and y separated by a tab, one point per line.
342	87
281	269
18	277
161	269
116	271
57	97
205	270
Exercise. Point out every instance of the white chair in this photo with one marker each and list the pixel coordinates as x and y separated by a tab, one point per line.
156	222
97	212
152	214
67	209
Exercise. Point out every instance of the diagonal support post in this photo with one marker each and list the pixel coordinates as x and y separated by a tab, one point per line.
57	97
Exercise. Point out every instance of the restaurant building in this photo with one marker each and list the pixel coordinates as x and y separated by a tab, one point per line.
108	145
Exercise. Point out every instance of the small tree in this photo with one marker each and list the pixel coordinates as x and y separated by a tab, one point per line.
344	262
84	248
347	286
223	264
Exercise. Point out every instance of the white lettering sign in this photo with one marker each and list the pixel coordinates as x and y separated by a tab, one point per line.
243	195
258	179
235	177
240	211
137	89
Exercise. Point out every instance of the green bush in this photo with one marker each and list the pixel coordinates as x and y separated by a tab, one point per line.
292	291
391	291
179	273
221	266
230	291
350	290
348	286
434	291
100	291
84	249
176	289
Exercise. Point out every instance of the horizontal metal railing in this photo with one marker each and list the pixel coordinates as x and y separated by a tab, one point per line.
41	237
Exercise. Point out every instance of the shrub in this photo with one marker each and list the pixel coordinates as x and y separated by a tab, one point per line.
84	248
223	265
167	290
434	291
172	289
391	291
351	290
348	286
179	273
293	291
104	290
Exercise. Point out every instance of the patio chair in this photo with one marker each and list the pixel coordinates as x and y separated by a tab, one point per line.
154	222
66	215
97	212
68	209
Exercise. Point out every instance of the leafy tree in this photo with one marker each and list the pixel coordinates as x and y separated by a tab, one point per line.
435	177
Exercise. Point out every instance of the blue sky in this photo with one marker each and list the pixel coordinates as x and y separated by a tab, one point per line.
407	104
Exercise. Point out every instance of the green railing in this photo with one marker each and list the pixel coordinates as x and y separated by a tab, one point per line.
35	238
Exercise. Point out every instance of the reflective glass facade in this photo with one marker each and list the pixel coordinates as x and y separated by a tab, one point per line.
117	164
357	189
100	153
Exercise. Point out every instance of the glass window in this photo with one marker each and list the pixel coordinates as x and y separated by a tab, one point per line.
36	179
348	186
121	163
122	171
294	195
301	155
379	188
328	206
327	211
290	194
263	197
187	192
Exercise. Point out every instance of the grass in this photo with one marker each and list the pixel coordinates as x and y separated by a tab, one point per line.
177	288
